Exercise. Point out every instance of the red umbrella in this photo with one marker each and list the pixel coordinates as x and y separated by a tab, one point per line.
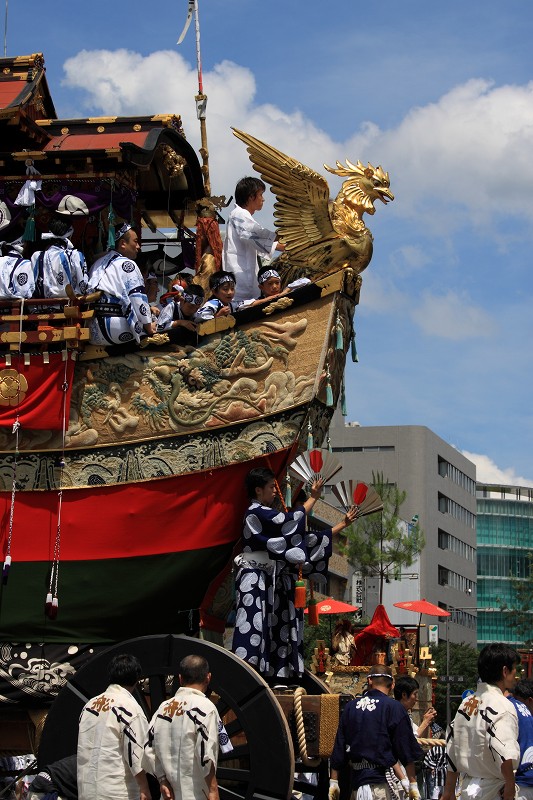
331	606
423	607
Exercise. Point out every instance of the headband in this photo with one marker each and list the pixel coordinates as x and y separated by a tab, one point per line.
195	299
379	675
65	236
123	230
269	273
223	279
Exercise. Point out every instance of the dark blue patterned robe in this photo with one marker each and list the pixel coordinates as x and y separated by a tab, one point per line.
268	629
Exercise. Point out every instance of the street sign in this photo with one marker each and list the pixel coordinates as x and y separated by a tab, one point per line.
467	693
451	679
433	634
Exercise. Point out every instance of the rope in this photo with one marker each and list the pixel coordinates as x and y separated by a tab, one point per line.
431	742
52	601
300	729
15	430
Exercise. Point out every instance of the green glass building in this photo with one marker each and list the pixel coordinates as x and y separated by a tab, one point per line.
504	543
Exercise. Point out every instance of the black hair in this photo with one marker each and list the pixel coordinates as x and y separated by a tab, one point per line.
405	685
256	479
193	669
524	689
246	189
125	670
383	676
493	658
216	276
195	288
59	226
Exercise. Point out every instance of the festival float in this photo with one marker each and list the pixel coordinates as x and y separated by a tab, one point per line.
121	475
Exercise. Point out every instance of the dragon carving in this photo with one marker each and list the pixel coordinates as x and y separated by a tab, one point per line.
320	235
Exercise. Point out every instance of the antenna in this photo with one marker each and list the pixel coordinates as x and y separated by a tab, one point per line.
5	31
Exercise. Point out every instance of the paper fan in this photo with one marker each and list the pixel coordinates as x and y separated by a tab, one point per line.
357	493
315	465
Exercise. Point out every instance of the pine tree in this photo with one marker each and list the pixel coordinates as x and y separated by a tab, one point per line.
379	544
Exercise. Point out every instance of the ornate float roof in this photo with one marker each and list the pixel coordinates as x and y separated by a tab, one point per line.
149	154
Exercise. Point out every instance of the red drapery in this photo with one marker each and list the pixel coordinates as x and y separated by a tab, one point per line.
35	391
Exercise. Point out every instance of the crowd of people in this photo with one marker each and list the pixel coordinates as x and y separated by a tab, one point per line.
489	751
127	309
124	756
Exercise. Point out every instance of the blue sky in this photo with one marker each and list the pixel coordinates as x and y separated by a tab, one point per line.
441	96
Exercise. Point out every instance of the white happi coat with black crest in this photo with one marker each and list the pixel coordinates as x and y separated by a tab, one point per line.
122	286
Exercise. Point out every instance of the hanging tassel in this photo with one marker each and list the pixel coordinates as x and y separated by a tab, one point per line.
343	399
288	492
5	570
355	358
300	594
310	442
339	344
328	442
111	229
51	607
329	390
29	229
312	609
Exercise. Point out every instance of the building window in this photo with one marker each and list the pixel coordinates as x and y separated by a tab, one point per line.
454	580
447	470
449	542
370	448
449	506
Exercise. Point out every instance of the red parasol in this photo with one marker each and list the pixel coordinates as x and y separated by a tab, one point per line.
331	606
423	607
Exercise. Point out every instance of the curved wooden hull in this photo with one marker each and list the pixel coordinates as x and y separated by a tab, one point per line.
157	448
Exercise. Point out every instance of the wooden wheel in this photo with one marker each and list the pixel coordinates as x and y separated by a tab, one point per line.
261	764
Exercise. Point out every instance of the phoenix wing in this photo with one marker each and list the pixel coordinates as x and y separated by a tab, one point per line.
302	208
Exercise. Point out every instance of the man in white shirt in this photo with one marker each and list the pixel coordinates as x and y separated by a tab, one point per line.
482	744
246	238
184	737
112	733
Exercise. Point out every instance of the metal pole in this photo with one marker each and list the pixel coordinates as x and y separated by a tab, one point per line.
5	33
201	106
448	713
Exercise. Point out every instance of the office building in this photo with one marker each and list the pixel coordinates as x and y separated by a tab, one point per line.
505	542
441	489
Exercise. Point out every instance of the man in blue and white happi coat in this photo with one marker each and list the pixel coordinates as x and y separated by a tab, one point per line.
122	314
374	733
268	627
59	263
16	271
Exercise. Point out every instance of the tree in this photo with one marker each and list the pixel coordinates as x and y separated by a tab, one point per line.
521	608
381	544
463	661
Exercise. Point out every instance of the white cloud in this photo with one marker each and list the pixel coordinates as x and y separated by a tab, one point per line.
462	161
488	472
452	316
125	83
